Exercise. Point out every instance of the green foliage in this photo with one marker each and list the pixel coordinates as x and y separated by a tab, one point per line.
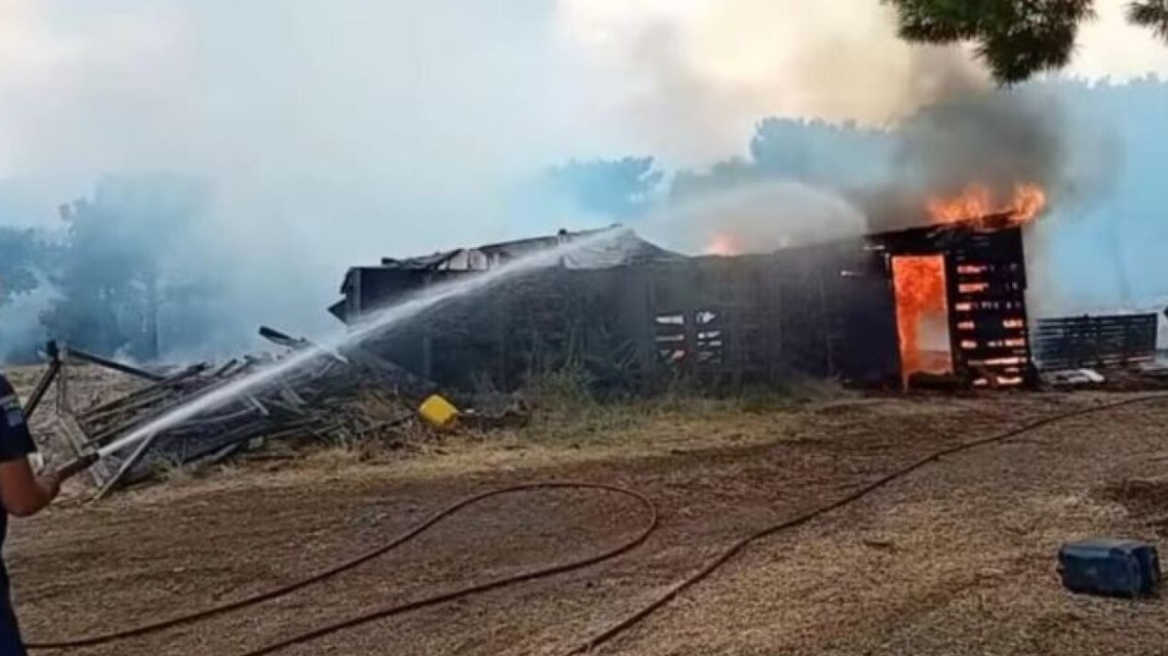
813	152
21	254
1016	38
1152	14
721	176
111	272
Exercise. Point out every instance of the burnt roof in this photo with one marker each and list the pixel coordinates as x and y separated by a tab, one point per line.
616	252
623	249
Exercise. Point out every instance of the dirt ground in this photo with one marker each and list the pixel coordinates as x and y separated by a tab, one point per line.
958	558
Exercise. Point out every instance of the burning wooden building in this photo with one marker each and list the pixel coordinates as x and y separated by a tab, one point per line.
946	299
960	302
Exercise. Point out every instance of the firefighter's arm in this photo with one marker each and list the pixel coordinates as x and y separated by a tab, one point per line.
22	492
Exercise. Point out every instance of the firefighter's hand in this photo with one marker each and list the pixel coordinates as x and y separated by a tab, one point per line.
51	483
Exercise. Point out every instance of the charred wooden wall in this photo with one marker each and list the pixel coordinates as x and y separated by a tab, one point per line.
813	312
985	276
826	311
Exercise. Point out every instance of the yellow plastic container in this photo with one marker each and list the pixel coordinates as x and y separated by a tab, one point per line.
438	412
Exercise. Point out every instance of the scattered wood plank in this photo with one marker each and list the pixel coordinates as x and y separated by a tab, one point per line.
324	397
67	426
128	464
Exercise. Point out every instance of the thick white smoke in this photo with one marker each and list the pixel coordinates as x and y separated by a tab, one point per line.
332	133
758	217
337	132
696	75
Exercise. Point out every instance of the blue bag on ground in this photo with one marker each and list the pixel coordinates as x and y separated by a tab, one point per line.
1111	568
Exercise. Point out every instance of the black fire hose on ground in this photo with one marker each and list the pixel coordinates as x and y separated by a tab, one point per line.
740	546
650	526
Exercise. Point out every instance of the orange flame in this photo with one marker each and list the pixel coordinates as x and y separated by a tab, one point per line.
979	205
920	299
723	245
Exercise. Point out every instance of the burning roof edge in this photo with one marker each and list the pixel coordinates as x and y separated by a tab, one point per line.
936	233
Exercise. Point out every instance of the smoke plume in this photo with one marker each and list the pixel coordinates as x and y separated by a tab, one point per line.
334	133
689	79
936	124
329	134
699	75
745	218
996	139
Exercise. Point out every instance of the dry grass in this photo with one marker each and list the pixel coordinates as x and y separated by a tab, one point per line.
566	409
174	472
956	559
568	425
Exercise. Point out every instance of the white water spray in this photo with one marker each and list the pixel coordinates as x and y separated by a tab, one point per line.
377	324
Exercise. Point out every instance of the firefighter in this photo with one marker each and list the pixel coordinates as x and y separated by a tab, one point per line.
22	493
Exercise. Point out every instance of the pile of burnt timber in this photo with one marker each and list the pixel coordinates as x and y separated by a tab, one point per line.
328	396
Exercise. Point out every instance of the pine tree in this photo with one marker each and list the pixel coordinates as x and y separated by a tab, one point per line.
1016	38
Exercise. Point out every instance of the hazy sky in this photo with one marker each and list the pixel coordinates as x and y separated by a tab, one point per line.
387	115
1112	47
705	70
334	131
338	131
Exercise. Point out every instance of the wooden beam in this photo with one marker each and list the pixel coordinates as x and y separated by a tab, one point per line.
127	465
42	386
116	366
69	428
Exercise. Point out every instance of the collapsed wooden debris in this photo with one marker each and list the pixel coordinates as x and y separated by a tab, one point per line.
341	395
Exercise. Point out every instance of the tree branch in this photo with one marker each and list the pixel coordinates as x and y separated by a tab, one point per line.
1152	14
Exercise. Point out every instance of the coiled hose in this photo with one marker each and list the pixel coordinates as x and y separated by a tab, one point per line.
650	525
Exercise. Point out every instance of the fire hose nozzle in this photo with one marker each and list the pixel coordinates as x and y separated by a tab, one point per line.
75	467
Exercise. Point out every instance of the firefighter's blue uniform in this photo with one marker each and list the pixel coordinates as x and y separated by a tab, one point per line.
15	442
